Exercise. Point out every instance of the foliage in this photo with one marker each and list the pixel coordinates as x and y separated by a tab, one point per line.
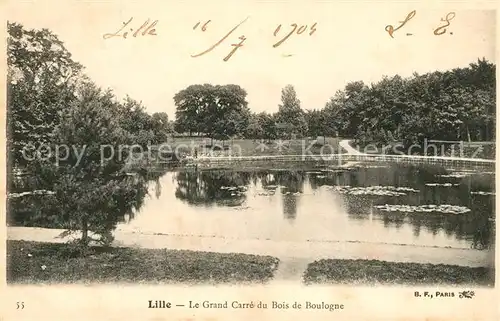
161	127
41	80
255	129
221	112
91	190
268	123
458	104
51	102
318	123
290	115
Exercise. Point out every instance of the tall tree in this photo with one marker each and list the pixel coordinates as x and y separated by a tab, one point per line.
42	77
191	106
231	113
334	123
51	102
254	129
91	188
218	111
316	123
290	114
268	123
135	120
161	127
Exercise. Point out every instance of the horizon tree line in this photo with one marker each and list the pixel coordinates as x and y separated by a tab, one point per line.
457	104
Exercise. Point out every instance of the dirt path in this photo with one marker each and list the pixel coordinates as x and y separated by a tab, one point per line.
293	254
291	269
348	148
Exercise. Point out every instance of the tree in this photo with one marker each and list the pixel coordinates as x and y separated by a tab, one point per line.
218	111
42	77
136	121
191	106
161	127
356	99
315	123
93	190
334	123
229	114
268	123
51	102
254	129
290	115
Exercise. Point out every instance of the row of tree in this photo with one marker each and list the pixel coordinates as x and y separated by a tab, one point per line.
222	112
458	104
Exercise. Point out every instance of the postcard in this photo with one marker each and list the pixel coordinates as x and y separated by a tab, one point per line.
194	160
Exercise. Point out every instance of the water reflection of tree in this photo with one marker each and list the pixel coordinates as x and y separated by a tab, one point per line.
157	188
267	179
133	200
290	207
393	219
210	187
477	227
291	182
46	211
327	179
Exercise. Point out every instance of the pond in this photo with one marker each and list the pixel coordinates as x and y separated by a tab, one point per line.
374	203
391	212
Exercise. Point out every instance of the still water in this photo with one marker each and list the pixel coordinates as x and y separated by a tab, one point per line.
324	205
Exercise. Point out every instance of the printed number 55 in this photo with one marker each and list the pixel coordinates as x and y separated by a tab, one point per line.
20	305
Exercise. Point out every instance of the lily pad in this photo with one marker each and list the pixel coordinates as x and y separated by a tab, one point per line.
456	174
442	184
374	190
431	208
482	193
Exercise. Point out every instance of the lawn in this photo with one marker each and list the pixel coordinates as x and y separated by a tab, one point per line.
373	272
49	263
249	147
483	150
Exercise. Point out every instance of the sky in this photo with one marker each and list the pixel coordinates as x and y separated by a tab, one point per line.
349	43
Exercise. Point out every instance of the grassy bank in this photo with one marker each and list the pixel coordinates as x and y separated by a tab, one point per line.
249	147
33	262
482	150
373	272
